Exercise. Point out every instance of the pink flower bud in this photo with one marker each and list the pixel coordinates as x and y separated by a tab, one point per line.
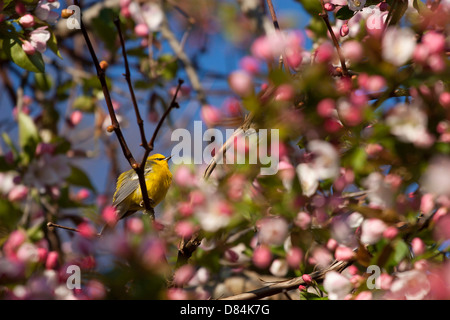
344	30
427	203
241	83
185	209
18	193
329	6
384	281
27	21
444	99
52	260
184	229
232	106
373	149
83	194
231	255
436	63
28	48
324	52
371	230
141	30
352	50
307	278
434	41
183	177
294	257
109	215
284	92
390	233
343	253
197	197
332	244
326	107
364	295
250	64
418	246
384	6
210	115
183	275
421	53
86	230
262	257
75	117
135	225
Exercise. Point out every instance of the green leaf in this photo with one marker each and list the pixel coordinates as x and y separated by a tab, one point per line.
43	81
313	7
84	103
28	132
52	43
344	13
33	63
79	178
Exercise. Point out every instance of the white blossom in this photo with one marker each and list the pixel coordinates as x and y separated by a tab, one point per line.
398	45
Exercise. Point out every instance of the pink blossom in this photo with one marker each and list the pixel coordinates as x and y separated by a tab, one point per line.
390	233
87	230
183	177
109	215
332	244
412	285
262	257
149	14
336	285
210	115
83	194
184	229
284	92
28	48
435	42
52	260
352	50
153	253
302	220
177	294
384	281
372	230
20	8
279	268
294	257
39	38
326	107
307	278
141	30
44	10
233	106
241	83
183	275
18	193
75	117
135	225
364	295
27	21
15	240
343	253
324	52
320	257
427	203
95	290
444	99
344	31
250	64
398	45
442	229
273	231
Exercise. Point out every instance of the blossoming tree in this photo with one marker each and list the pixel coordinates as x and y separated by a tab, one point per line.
360	96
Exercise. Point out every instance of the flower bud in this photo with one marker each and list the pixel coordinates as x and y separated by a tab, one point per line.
28	48
65	13
329	6
27	21
104	65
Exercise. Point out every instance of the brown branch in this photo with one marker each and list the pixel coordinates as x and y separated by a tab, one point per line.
127	76
288	284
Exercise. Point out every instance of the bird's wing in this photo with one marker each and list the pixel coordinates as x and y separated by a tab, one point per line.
127	183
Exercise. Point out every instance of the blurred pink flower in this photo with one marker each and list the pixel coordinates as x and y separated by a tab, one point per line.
379	191
294	257
273	231
336	285
39	38
436	179
250	64
262	257
343	253
398	45
210	115
18	193
27	20
241	82
302	220
135	225
149	14
279	267
44	10
410	285
372	230
183	275
52	260
28	48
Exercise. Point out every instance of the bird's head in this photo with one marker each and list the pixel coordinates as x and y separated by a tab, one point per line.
158	159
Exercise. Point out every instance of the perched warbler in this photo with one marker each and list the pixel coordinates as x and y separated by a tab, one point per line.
128	196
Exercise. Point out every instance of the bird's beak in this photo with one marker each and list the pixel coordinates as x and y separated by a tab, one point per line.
168	158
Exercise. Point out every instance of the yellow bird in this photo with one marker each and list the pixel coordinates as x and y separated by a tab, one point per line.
128	196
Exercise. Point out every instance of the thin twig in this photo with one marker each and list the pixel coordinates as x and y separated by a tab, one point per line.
324	16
